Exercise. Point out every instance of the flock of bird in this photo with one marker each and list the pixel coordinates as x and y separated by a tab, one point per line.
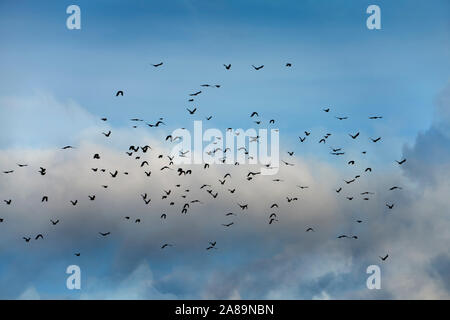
143	163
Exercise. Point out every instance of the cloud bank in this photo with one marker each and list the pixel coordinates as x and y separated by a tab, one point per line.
253	260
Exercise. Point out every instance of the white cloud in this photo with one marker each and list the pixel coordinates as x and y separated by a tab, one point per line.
30	294
270	261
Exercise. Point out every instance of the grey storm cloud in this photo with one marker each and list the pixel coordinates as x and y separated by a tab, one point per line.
430	154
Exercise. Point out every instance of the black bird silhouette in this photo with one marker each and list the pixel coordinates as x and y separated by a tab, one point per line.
243	206
302	139
395	187
157	65
114	174
307	133
227	66
74	202
105	233
22	165
338	190
42	171
390	206
384	258
191	111
107	134
341	118
354	136
375	117
195	94
26	239
376	140
228	224
92	198
166	245
310	229
326	110
253	173
156	124
54	222
214	195
288	64
39	236
44	198
8	202
401	162
258	68
67	147
77	254
119	93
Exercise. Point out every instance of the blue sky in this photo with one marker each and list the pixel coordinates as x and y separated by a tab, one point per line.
56	83
337	60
